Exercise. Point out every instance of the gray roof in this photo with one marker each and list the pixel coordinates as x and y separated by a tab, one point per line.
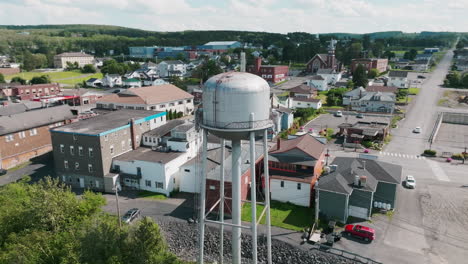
174	62
12	109
360	91
317	77
105	122
378	96
283	109
325	71
401	74
147	154
184	127
33	119
73	54
341	181
164	129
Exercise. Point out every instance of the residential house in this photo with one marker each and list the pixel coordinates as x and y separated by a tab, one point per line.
149	66
294	166
30	92
398	79
172	68
60	60
353	95
375	102
303	91
369	64
383	89
283	118
356	186
164	97
424	56
112	80
462	65
431	50
154	82
301	102
401	63
330	75
25	134
318	82
132	83
420	65
133	74
271	73
324	61
371	128
94	82
83	151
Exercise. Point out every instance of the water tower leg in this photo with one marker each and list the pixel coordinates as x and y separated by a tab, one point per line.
221	205
266	174
253	197
201	217
236	201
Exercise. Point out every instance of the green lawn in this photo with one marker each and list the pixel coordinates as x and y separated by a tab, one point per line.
53	75
151	195
322	97
403	100
80	80
414	91
283	215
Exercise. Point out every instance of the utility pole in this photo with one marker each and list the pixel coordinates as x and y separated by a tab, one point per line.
327	155
316	201
116	189
464	155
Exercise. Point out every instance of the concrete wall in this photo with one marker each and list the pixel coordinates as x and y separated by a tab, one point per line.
290	193
455	118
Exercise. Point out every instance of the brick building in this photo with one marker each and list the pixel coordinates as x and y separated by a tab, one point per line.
26	135
370	63
30	92
324	61
271	73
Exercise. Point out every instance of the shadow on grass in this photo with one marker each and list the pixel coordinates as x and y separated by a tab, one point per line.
151	195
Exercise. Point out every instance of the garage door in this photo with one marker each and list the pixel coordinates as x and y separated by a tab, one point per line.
359	212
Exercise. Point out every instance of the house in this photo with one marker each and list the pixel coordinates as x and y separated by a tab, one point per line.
369	64
133	74
401	63
324	61
330	75
94	82
83	96
420	65
371	128
154	82
83	151
158	136
25	135
356	186
149	66
375	102
353	95
301	102
61	60
424	56
398	79
294	166
172	68
318	82
30	92
271	73
112	80
156	168
383	89
164	97
462	65
132	83
341	84
284	117
303	91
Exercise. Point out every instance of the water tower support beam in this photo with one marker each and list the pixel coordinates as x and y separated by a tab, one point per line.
266	174
253	197
236	201
201	217
221	206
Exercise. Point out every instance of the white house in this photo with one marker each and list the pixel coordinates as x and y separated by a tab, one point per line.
112	80
93	82
301	102
380	102
172	68
398	79
132	83
149	66
353	95
330	75
318	82
133	74
154	82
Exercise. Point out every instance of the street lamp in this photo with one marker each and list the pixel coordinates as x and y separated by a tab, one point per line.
117	188
327	155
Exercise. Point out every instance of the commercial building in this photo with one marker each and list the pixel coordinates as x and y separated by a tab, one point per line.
218	47
398	79
370	63
25	134
164	97
271	73
60	60
83	151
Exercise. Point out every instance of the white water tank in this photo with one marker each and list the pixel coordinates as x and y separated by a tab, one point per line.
229	99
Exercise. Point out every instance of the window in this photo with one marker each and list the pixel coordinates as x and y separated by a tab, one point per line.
90	167
22	134
80	151
282	184
189	101
171	104
9	138
159	185
32	132
77	165
181	102
112	149
187	170
62	148
298	186
72	150
65	164
117	168
148	183
106	137
162	106
90	152
138	171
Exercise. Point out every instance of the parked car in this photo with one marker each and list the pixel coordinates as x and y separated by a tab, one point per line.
364	232
410	182
421	77
131	215
417	130
360	115
3	171
338	114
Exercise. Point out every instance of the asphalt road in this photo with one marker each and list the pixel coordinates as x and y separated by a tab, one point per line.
423	113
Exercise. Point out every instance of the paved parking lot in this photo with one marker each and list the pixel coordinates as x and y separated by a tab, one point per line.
451	138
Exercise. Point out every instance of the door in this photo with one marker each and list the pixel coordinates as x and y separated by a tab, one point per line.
358	212
81	182
97	184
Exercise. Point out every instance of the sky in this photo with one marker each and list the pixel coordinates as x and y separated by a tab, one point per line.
282	16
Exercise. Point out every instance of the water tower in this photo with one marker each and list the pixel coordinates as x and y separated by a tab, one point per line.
236	106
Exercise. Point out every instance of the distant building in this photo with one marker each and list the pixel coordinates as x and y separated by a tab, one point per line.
324	61
372	128
112	80
431	50
132	83
30	92
375	102
370	63
330	75
172	68
25	135
318	82
142	52
94	82
218	47
60	60
271	73
398	79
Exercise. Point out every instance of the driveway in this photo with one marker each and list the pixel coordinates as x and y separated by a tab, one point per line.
39	168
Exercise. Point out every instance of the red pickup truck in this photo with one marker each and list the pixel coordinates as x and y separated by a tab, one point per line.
364	232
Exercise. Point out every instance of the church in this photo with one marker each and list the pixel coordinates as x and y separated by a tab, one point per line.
324	61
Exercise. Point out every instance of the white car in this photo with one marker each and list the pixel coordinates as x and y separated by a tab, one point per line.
338	114
417	130
410	182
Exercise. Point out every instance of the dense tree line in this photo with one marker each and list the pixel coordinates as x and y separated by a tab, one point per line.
47	223
456	80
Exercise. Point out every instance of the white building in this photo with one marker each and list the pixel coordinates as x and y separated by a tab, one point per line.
154	82
172	68
318	82
112	80
301	102
380	102
398	79
93	82
330	75
353	95
60	60
132	83
288	191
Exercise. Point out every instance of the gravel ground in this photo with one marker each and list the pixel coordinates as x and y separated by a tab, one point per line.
182	239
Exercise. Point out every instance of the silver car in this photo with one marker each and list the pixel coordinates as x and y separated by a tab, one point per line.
131	215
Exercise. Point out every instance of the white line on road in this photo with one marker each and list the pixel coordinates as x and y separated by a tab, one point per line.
438	171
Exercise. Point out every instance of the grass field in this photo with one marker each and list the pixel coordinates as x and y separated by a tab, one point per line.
414	91
80	80
53	75
283	215
151	195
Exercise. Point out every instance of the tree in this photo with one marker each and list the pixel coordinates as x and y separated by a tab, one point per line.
410	55
113	67
373	73
366	42
2	78
207	69
389	54
350	84
360	76
453	79
18	79
88	68
40	79
335	96
464	81
177	81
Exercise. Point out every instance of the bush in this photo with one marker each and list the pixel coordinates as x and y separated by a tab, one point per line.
430	152
367	144
459	156
88	68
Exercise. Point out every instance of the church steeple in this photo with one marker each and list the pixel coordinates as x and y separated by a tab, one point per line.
331	61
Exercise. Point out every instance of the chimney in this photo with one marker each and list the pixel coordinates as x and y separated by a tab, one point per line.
356	181
364	165
363	181
278	143
258	64
242	62
133	134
